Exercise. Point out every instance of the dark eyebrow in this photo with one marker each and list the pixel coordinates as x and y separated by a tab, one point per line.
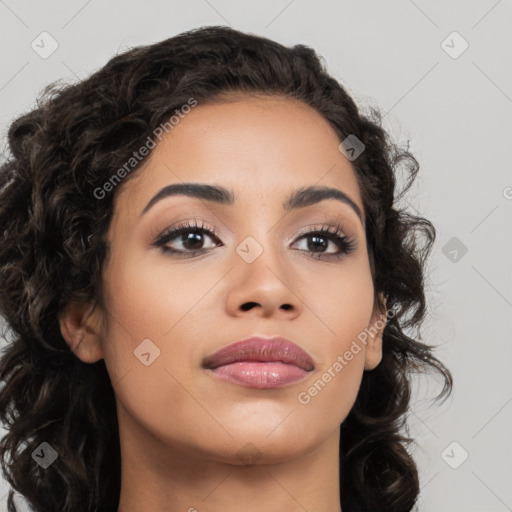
307	196
300	198
214	193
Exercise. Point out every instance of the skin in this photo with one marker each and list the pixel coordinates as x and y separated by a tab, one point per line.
184	433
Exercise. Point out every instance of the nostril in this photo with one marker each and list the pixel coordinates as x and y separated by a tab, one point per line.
248	305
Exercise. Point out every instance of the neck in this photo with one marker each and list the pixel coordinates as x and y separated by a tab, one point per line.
161	477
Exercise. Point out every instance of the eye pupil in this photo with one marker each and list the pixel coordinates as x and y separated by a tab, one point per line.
318	241
189	238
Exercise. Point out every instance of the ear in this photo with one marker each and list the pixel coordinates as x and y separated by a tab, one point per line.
80	325
373	355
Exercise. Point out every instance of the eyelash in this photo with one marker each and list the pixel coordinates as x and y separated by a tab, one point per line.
345	243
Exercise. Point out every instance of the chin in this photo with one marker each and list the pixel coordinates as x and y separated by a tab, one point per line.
273	448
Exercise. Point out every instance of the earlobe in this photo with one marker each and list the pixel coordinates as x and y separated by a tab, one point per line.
80	325
373	355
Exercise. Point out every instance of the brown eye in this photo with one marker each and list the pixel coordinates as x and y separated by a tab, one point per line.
319	241
186	239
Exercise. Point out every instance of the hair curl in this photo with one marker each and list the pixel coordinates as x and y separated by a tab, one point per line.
64	149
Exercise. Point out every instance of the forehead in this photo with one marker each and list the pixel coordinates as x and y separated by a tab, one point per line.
261	147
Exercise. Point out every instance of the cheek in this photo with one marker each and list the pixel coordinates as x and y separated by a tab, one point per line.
341	303
343	311
149	321
148	308
149	301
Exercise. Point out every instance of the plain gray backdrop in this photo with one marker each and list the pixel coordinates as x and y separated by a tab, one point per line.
441	71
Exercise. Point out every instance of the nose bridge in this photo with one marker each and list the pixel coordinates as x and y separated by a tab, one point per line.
259	253
262	277
258	240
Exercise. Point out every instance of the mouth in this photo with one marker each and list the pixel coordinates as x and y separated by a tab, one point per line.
261	363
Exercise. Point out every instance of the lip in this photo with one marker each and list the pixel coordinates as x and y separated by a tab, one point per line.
261	363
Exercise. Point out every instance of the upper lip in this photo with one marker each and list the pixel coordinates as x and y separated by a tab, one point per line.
257	348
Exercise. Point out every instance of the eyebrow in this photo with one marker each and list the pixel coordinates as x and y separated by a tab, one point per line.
300	198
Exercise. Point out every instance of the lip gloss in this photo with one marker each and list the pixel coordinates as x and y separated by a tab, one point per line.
260	375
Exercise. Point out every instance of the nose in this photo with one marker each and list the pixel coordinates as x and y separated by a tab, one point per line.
263	288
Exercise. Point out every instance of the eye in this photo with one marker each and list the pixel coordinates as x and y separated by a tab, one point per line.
319	240
190	239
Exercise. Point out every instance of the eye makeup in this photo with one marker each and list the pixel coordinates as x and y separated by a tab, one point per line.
191	237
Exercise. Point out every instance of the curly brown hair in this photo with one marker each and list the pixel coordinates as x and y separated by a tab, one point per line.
66	148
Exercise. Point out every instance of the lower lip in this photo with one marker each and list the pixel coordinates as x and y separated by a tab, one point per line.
260	375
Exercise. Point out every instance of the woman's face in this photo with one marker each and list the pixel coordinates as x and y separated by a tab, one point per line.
259	275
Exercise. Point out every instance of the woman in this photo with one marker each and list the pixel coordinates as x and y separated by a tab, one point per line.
208	280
